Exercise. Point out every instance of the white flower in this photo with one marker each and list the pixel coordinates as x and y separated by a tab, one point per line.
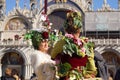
51	24
43	17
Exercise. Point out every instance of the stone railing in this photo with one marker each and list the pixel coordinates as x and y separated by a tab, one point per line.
106	41
15	43
28	43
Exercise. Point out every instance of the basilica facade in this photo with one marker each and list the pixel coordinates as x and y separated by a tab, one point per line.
102	27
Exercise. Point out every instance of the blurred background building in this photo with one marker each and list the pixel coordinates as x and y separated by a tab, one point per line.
102	27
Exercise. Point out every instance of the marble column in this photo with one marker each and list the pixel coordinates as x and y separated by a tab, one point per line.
0	69
28	71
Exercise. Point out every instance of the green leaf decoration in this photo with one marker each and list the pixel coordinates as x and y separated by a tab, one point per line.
75	75
35	36
53	37
88	47
71	48
64	69
68	48
75	48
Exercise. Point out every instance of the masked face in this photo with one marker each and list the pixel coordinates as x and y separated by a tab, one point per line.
43	45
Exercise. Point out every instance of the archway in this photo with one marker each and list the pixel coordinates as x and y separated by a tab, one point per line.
13	60
112	60
58	17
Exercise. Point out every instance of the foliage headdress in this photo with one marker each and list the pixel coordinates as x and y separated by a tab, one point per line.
36	35
73	21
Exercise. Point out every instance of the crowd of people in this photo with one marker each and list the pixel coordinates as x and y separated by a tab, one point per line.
72	57
11	74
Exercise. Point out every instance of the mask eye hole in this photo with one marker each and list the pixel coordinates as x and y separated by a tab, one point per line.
45	40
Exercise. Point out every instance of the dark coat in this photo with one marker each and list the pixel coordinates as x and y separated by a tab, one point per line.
117	76
101	66
6	77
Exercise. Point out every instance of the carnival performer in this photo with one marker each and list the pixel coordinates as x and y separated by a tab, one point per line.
74	54
40	59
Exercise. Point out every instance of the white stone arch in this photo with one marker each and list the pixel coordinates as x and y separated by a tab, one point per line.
16	51
51	8
112	59
106	49
110	50
70	5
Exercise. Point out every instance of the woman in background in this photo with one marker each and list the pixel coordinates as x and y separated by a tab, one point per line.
15	74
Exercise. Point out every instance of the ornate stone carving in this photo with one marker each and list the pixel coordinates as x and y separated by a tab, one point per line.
2	8
106	7
15	24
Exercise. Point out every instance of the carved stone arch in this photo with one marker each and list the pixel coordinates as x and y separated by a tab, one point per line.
89	5
14	59
81	8
110	50
53	8
27	22
18	52
112	58
58	17
71	5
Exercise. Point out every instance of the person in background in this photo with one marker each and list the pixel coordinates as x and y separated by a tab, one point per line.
102	67
117	75
8	75
73	53
15	74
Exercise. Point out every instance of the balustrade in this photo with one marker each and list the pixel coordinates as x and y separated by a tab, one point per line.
106	41
96	41
14	43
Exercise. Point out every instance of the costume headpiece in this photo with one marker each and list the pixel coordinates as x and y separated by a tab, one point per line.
36	37
43	24
40	33
74	20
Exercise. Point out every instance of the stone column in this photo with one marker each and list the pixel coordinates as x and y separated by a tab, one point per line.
0	69
28	71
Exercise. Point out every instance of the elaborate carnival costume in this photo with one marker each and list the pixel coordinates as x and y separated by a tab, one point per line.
76	55
41	61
